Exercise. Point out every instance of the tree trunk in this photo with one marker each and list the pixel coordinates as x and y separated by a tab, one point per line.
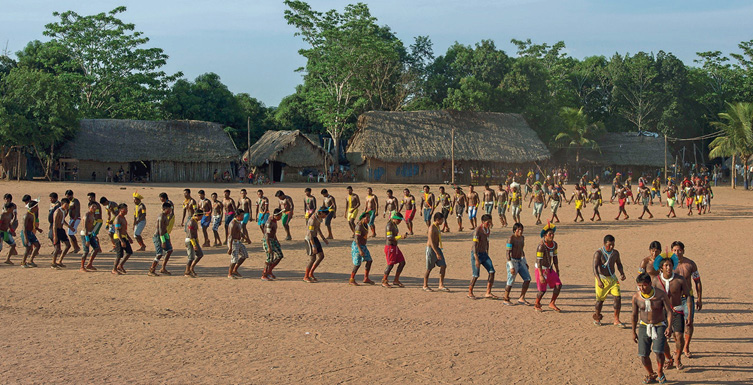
577	161
336	144
733	171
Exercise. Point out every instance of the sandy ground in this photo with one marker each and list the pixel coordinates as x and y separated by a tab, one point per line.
67	326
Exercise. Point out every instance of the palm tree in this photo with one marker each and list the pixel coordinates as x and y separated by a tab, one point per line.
578	132
737	127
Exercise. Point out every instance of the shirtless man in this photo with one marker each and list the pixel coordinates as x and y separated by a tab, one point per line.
671	192
616	186
171	219
371	207
459	202
480	257
189	206
596	200
74	219
285	203
688	270
358	251
392	253
622	198
331	206
517	264
206	220
89	240
112	212
97	213
262	210
193	249
644	195
216	219
59	235
28	236
650	306
537	198
309	203
604	261
161	239
444	203
228	210
473	202
409	202
6	221
555	201
235	248
502	201
351	211
656	190
245	204
14	210
314	247
139	220
54	206
390	205
489	198
579	196
547	268
434	253
678	290
123	241
428	204
516	202
647	263
271	246
689	198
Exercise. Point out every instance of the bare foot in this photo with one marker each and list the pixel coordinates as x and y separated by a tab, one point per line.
83	270
386	284
353	282
398	283
368	281
555	308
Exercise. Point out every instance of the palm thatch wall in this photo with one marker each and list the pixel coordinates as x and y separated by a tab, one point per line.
621	150
176	151
290	147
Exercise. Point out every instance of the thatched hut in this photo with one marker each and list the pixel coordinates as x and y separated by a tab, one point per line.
155	151
287	155
621	151
417	146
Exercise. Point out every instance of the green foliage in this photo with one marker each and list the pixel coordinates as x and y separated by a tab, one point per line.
736	125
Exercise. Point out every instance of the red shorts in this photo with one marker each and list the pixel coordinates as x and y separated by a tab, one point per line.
689	202
622	202
552	280
393	255
410	214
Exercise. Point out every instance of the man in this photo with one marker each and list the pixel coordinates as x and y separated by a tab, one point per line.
616	186
517	264
537	198
650	306
351	210
6	221
235	248
331	206
480	257
193	249
473	203
54	206
271	246
409	202
687	269
97	213
434	253
163	247
359	252
502	201
313	246
74	219
547	268
28	236
14	211
671	191
189	206
245	204
647	263
392	253
445	203
644	195
516	201
228	210
139	220
604	261
678	290
123	241
217	220
371	207
286	205
656	190
489	198
556	198
390	205
579	196
622	198
89	240
59	235
171	219
206	220
596	200
309	203
112	212
458	204
262	210
428	203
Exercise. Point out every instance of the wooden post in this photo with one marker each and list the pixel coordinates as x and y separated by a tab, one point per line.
732	172
18	167
248	134
452	156
666	171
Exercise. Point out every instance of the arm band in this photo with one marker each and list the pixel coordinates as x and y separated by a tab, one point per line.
86	238
398	237
509	246
164	237
194	243
539	254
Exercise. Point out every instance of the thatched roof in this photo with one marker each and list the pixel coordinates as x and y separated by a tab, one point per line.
117	140
425	136
623	149
290	147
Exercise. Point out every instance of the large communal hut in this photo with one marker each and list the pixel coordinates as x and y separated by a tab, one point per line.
417	146
155	151
621	151
287	155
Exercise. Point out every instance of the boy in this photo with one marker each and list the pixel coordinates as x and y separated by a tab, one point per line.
28	236
351	211
206	207
59	235
161	239
358	251
139	220
604	261
262	210
89	240
650	306
517	264
193	249
236	249
480	257
6	221
331	206
434	254
123	241
74	219
216	219
409	202
547	268
271	246
392	253
313	246
286	205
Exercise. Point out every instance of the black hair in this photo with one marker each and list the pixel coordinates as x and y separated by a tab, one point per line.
239	212
243	190
678	243
663	261
517	226
349	188
324	191
26	198
214	194
68	192
103	200
438	216
426	186
307	189
260	191
201	192
91	194
389	191
8	196
163	195
122	206
188	190
227	191
8	206
609	238
279	193
643	278
486	217
166	206
441	188
656	245
54	195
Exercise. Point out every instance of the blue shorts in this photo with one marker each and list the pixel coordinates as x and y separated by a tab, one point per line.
472	210
158	247
246	218
206	220
427	215
520	268
93	244
217	222
486	262
372	217
329	217
28	238
229	218
262	219
355	253
139	228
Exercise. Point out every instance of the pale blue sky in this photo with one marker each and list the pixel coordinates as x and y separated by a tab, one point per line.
250	46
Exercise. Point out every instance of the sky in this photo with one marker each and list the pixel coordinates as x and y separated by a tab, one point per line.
251	47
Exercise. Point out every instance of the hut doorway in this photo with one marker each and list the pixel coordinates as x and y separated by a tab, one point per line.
275	171
141	171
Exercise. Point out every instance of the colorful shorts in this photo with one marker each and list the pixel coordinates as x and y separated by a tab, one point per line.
274	252
216	222
520	269
409	215
355	253
427	215
139	228
552	280
206	220
160	251
246	218
262	219
472	211
28	238
238	252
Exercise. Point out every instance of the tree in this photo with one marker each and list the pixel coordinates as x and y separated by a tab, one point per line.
736	125
578	132
116	77
635	86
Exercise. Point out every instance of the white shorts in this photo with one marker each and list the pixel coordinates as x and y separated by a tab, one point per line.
72	225
139	228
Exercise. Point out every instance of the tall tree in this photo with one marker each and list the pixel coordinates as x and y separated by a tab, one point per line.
635	85
578	133
736	125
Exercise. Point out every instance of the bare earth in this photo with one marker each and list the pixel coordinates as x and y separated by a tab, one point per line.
73	327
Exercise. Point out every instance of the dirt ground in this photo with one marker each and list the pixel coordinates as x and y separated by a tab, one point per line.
68	326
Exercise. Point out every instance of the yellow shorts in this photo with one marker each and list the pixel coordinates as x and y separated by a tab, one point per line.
611	286
578	205
353	214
